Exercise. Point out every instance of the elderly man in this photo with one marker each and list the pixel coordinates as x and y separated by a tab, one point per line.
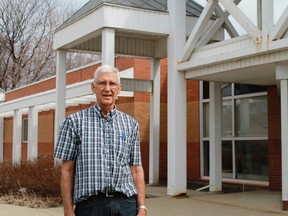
102	171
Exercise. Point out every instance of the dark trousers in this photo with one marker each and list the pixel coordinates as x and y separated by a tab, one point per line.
107	206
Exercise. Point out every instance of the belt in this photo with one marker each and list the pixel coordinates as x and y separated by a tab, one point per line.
107	195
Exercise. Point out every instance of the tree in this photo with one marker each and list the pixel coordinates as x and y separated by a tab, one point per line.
26	41
26	38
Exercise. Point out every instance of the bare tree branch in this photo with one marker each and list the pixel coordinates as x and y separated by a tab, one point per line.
26	37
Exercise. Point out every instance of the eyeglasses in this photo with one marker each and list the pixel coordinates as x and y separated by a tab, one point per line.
103	84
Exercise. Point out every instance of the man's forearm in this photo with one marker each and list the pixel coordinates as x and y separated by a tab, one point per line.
67	176
138	177
140	186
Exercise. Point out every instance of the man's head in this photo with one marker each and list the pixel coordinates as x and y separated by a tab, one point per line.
106	86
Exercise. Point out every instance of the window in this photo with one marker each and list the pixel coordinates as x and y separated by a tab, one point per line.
25	130
244	132
251	117
251	160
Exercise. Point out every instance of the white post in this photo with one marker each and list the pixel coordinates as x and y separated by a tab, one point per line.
177	140
108	46
267	18
1	139
282	75
154	143
215	137
32	151
17	137
60	91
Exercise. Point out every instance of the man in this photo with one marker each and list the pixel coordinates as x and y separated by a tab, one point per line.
99	146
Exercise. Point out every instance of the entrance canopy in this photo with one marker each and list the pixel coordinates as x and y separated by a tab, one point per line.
247	59
141	27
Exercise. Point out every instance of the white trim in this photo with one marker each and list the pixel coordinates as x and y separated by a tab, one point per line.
17	137
154	136
1	139
111	16
241	181
32	148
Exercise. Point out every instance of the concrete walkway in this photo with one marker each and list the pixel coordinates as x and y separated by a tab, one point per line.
252	203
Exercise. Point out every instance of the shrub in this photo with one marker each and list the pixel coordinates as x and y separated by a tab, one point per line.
39	178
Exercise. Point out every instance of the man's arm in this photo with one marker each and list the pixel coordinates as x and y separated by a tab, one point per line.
67	182
138	178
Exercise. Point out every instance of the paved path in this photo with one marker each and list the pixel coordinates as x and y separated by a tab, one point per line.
252	203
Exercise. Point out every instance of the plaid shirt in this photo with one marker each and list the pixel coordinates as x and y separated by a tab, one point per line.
103	150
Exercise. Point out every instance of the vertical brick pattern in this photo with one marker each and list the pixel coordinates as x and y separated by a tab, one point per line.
193	130
274	139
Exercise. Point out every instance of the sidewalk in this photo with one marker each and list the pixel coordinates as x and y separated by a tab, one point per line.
252	203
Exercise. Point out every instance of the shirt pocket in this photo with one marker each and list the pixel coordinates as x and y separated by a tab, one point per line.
122	148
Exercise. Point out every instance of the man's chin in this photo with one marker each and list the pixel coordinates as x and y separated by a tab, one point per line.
107	103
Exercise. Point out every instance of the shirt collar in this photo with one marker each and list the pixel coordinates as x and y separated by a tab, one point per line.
99	112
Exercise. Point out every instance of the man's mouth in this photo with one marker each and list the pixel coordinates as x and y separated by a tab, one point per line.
107	95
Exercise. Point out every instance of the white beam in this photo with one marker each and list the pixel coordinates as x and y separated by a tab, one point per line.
222	18
232	50
227	24
45	107
6	114
32	151
198	30
267	19
72	91
154	143
282	75
1	139
215	136
60	91
242	19
91	97
17	137
281	26
177	140
81	100
108	46
133	84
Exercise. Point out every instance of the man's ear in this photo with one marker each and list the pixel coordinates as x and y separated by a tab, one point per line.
119	88
93	87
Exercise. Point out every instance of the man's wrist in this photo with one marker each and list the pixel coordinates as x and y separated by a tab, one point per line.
142	207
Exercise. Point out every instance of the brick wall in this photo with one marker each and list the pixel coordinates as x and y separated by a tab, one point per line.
274	140
193	130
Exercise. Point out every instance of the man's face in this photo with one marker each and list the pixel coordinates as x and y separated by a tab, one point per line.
106	89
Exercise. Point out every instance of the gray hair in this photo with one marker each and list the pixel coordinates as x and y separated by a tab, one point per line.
105	69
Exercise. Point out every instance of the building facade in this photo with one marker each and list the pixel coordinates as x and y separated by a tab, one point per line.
226	99
250	125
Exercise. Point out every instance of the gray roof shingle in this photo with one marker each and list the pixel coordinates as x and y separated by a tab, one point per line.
192	8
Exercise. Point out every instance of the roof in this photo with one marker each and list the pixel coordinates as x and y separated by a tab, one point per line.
192	8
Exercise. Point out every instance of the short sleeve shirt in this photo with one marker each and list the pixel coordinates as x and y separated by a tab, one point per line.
103	150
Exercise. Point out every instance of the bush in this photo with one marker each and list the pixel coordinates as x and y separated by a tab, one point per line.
39	178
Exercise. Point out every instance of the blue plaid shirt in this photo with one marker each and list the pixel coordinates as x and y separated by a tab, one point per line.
103	150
